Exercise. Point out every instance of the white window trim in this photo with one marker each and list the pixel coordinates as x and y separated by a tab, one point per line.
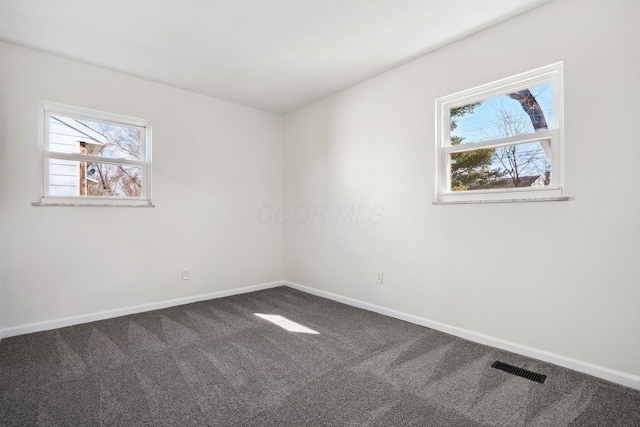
549	74
47	108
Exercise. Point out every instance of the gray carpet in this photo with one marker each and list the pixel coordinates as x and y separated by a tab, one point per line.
216	363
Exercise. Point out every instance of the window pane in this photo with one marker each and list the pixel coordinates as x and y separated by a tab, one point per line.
73	178
518	165
104	179
521	112
69	135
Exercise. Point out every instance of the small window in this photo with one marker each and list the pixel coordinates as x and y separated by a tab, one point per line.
502	141
94	158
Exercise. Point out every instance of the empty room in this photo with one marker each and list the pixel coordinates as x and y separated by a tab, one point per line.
319	213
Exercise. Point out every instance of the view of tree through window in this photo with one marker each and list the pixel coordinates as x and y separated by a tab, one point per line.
116	179
520	164
118	175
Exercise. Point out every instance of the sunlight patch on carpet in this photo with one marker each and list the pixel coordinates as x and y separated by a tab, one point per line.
285	323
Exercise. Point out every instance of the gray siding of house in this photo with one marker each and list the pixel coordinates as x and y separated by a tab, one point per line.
64	174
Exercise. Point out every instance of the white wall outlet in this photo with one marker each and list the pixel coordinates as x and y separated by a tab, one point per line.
379	276
185	274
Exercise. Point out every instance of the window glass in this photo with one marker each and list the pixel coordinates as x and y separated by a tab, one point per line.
93	155
515	113
502	140
511	166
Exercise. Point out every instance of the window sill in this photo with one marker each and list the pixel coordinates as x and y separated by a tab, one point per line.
96	204
515	200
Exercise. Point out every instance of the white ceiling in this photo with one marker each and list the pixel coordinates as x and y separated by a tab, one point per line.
275	55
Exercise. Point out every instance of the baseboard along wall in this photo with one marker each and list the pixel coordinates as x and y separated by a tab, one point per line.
618	377
109	314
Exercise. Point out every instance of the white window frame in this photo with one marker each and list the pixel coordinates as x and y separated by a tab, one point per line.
444	149
45	199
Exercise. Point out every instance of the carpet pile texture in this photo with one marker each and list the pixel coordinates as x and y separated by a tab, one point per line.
216	363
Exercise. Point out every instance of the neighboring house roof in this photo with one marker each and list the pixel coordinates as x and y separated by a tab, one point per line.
524	181
95	141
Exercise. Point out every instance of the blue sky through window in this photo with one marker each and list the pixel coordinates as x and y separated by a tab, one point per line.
501	116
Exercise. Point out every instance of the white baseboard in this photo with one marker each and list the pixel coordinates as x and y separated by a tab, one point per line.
108	314
618	377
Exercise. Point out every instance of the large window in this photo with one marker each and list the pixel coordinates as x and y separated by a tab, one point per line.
94	158
502	141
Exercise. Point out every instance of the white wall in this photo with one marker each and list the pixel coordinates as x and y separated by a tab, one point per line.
1	198
214	165
560	277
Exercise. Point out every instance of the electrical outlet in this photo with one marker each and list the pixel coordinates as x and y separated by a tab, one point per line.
379	276
185	274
